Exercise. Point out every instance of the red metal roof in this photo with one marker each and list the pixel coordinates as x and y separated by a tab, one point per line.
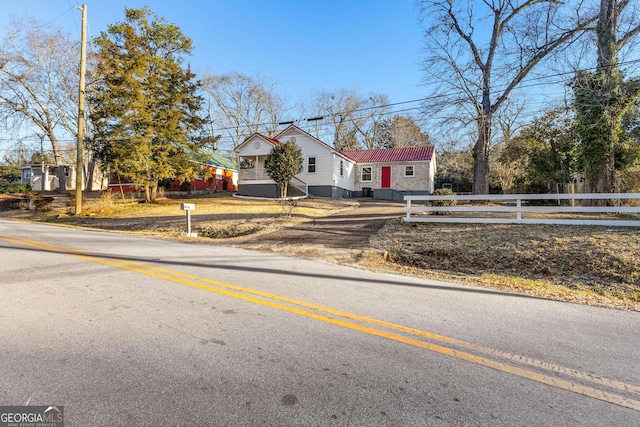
409	154
271	140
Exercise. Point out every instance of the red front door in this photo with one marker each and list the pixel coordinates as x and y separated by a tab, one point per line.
386	177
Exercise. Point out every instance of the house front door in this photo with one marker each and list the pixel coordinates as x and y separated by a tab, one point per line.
386	177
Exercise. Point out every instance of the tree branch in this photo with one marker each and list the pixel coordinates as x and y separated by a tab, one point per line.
542	53
628	36
466	37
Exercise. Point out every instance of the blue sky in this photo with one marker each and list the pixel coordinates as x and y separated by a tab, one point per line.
371	45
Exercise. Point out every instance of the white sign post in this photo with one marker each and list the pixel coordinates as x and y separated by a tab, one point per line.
188	207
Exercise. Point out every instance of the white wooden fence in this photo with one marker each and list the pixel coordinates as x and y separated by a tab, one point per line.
518	204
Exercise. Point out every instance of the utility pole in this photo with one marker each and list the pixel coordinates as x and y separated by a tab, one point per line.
80	148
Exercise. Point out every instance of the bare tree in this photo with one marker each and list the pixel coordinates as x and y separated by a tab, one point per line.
374	111
341	119
505	171
455	167
350	120
618	25
38	82
406	133
482	50
18	154
240	105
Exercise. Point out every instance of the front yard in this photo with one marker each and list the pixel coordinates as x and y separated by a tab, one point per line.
588	265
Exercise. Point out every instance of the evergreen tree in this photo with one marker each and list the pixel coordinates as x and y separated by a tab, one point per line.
283	163
545	151
144	104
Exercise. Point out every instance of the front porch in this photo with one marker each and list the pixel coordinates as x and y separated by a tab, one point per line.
254	181
254	174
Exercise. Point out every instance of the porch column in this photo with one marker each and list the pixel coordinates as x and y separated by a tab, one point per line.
255	167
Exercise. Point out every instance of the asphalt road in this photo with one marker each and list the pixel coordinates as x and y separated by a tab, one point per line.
132	331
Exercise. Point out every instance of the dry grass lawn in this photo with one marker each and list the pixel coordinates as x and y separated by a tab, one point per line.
217	216
588	265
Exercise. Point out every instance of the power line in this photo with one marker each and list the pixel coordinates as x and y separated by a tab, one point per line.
546	80
532	82
43	24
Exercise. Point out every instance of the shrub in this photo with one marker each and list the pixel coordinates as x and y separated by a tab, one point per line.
443	192
14	203
43	204
227	230
14	187
107	198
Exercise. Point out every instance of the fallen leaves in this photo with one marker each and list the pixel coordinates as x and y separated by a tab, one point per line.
589	265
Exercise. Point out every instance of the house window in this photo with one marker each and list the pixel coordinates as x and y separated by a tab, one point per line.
341	167
366	174
311	165
408	171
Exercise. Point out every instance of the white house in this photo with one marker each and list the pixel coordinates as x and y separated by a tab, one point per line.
386	174
45	177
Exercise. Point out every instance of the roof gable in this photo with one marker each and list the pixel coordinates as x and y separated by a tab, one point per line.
259	136
293	128
408	154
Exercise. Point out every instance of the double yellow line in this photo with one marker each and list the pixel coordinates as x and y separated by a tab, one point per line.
535	370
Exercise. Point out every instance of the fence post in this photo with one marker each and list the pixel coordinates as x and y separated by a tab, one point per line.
549	213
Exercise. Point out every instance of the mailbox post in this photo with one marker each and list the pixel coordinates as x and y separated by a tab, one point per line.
188	207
